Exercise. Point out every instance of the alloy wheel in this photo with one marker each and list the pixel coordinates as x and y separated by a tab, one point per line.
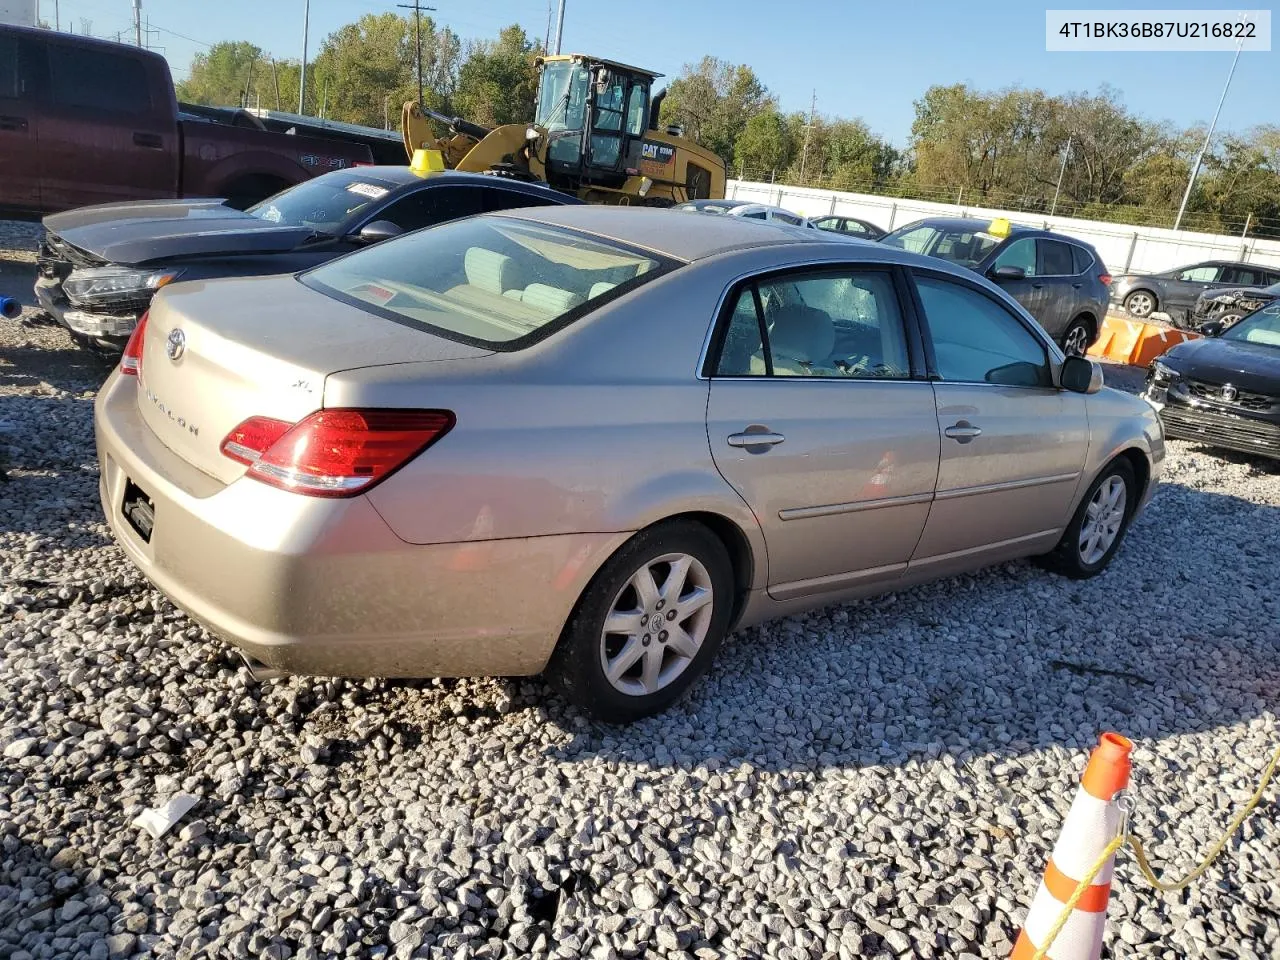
656	624
1140	304
1077	341
1103	519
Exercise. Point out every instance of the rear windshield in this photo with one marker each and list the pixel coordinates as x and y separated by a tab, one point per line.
488	281
323	203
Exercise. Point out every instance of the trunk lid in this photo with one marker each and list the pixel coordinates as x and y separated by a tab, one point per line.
138	232
257	346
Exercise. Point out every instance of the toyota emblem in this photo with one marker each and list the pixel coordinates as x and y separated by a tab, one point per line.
1229	393
176	345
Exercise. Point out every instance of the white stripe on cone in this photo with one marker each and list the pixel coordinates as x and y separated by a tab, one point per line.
1091	824
1081	936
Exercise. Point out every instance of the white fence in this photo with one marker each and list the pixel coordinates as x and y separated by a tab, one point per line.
1124	248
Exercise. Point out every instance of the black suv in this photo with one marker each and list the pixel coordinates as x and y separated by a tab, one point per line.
1061	281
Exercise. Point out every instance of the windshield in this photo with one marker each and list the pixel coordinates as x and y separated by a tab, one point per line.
562	96
489	281
1261	326
961	245
323	203
1274	290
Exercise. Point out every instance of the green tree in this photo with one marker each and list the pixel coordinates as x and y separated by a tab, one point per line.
497	82
220	76
765	145
714	101
365	67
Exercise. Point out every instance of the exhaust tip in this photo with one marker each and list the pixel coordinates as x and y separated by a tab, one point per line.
259	670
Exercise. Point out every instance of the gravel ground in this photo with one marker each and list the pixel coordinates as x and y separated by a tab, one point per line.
881	779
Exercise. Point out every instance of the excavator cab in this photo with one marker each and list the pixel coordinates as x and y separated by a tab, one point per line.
595	113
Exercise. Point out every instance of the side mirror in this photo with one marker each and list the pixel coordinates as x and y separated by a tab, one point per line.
378	231
1210	328
1081	375
1006	273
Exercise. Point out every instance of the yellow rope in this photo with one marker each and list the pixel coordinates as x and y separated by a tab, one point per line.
1141	856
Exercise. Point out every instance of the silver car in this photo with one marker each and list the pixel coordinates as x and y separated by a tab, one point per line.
591	441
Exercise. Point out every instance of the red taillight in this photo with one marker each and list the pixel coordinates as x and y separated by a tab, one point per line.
1105	278
131	359
334	453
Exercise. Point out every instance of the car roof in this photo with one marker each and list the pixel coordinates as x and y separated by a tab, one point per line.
979	225
696	238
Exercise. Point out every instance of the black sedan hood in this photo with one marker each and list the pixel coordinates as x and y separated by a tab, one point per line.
150	230
1250	366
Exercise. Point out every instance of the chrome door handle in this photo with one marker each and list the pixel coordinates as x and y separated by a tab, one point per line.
963	432
755	439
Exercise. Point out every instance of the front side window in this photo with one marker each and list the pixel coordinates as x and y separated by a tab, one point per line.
976	340
98	79
490	281
1055	259
1021	254
10	87
423	208
637	110
1203	274
844	324
325	202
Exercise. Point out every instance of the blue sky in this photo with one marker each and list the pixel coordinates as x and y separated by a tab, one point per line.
866	58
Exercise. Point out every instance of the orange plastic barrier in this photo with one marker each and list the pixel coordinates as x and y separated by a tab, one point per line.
1135	342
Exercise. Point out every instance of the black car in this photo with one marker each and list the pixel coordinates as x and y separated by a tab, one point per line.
1061	281
1226	307
1223	390
99	266
850	226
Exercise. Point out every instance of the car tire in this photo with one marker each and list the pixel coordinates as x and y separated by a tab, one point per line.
651	669
1078	337
1140	304
1078	554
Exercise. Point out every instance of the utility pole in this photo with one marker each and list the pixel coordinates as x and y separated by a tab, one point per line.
302	79
417	9
57	16
559	26
1195	167
275	77
546	40
137	22
808	127
1054	206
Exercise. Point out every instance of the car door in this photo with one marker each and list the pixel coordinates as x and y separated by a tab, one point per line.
1055	272
102	137
20	93
1028	289
1013	445
1181	293
815	417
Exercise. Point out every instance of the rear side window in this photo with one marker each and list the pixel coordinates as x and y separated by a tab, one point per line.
500	198
1202	274
1055	259
99	79
976	340
10	86
1081	258
423	208
844	324
488	281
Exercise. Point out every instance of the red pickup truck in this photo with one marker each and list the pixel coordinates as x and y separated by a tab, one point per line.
86	121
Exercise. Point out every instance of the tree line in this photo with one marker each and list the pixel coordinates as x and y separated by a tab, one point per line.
1081	154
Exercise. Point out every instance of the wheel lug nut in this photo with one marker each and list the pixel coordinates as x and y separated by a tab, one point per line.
645	640
663	636
644	620
661	604
671	614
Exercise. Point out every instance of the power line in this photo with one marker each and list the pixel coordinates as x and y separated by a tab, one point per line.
417	9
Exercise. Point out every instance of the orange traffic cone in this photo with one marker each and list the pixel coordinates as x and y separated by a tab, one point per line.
1093	821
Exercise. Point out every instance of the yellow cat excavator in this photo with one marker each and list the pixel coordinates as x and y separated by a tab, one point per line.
595	134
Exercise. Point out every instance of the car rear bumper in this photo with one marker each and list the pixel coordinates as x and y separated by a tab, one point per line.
320	586
1217	428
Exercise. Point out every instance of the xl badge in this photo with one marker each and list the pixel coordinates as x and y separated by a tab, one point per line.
176	345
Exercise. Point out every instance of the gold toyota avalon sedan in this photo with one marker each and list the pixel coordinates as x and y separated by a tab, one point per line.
593	440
